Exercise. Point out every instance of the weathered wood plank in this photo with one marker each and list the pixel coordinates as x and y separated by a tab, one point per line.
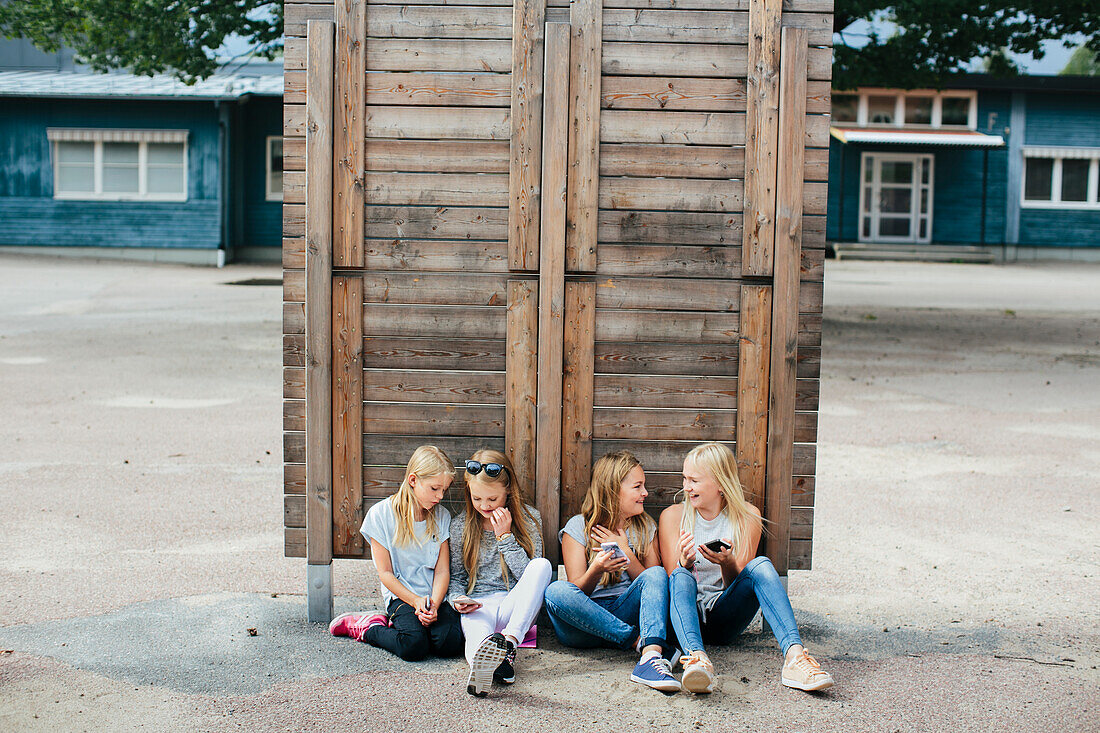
439	89
399	385
782	428
713	392
548	462
439	54
676	227
320	487
754	347
434	321
680	194
436	189
586	28
436	255
437	222
294	542
399	418
433	353
294	351
294	383
348	134
298	15
578	394
521	380
692	94
691	26
695	59
436	289
663	358
436	156
709	328
632	423
666	294
347	415
668	455
761	134
294	479
525	134
672	161
692	128
805	6
456	21
394	450
453	123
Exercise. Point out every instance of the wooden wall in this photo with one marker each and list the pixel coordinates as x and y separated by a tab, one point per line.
552	261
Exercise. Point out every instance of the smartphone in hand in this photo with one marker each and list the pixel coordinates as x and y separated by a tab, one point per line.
717	545
613	547
466	601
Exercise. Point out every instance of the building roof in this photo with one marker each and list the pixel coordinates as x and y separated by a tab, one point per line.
251	79
956	138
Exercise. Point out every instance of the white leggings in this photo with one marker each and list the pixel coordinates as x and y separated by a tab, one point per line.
510	613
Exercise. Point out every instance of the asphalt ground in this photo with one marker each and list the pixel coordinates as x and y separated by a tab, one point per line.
954	583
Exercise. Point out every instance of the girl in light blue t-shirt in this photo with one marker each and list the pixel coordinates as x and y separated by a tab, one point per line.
409	540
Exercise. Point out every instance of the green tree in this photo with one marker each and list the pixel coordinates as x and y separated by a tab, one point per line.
146	36
932	40
1083	62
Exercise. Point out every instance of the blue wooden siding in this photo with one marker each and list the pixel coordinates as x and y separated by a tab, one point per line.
263	219
29	215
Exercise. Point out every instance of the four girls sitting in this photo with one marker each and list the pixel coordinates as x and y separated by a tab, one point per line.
483	576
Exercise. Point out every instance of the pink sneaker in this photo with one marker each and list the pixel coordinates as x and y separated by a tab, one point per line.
356	624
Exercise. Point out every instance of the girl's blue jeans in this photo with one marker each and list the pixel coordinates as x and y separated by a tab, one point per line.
757	586
583	622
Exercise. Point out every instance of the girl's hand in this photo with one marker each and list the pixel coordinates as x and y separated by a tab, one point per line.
605	562
601	534
501	519
723	558
462	607
426	611
687	549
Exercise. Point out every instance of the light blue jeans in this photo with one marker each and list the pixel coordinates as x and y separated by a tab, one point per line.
583	622
757	586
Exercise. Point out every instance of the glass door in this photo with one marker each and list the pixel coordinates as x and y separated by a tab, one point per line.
895	198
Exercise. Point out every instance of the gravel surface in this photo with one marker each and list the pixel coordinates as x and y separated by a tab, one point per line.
954	583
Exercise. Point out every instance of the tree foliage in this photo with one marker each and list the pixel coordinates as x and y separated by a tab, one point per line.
1083	62
927	41
932	40
146	36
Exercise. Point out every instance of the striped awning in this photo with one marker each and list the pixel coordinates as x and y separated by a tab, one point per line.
108	135
956	138
1055	151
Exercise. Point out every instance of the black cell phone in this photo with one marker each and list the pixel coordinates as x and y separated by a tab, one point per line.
717	545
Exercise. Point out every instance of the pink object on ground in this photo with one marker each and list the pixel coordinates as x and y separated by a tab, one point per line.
355	625
531	640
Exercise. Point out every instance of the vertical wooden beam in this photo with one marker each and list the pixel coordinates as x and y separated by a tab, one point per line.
347	414
521	391
761	136
349	132
526	140
319	45
788	255
752	390
579	362
552	283
582	205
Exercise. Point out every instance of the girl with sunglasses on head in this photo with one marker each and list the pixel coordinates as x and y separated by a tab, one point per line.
408	535
716	581
498	574
617	592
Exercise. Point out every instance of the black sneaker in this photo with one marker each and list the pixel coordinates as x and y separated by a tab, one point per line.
487	658
506	672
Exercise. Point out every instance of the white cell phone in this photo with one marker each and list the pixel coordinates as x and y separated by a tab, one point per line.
465	601
613	547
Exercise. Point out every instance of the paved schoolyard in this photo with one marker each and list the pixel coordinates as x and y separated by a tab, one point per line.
955	565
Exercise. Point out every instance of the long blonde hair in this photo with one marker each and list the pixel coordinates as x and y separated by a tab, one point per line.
718	460
602	506
522	520
427	462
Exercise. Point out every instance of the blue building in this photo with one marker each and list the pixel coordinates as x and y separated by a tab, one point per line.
117	165
1002	167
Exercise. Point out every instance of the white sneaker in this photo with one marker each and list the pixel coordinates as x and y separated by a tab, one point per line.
698	672
804	673
487	658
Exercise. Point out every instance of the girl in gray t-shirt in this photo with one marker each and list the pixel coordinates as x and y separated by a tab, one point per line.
408	535
498	574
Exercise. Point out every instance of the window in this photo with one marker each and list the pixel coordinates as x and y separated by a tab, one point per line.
896	108
119	165
1061	177
274	181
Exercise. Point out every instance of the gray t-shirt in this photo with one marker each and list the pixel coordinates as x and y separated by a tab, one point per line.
489	577
575	529
708	576
413	563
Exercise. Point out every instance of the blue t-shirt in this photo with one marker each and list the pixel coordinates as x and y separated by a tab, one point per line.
414	562
575	529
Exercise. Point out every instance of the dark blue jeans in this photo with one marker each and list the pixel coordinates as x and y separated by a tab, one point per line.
583	622
757	586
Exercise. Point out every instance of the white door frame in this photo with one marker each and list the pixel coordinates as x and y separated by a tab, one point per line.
916	186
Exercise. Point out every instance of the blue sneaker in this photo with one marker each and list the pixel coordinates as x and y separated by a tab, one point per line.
656	672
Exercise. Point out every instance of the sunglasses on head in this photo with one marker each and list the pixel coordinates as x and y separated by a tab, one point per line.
492	470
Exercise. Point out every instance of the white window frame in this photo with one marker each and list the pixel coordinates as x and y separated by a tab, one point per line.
900	95
1059	154
270	195
915	215
98	137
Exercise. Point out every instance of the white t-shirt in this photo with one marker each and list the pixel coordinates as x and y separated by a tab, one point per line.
575	529
414	562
